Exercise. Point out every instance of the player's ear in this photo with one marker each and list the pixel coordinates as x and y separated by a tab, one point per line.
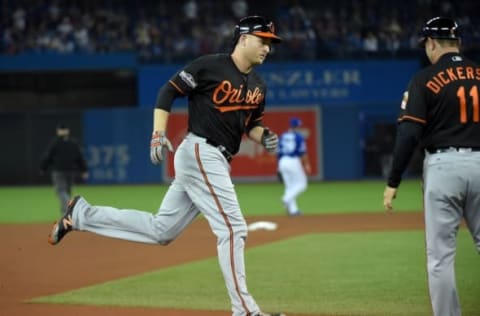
428	43
242	39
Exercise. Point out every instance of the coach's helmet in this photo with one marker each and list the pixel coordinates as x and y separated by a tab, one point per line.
440	28
258	26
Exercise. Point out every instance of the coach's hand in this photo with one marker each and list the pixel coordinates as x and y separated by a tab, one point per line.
269	140
157	144
388	195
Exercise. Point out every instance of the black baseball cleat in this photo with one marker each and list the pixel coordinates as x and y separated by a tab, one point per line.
63	225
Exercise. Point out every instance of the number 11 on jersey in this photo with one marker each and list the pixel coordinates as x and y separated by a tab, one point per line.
473	93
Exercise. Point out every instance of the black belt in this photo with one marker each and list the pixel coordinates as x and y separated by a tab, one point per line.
452	149
222	149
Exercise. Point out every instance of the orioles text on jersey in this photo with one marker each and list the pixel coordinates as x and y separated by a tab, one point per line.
226	93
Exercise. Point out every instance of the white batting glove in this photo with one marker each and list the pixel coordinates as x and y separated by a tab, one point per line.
269	140
157	144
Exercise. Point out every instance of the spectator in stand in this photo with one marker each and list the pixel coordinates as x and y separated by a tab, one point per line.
239	8
370	43
312	29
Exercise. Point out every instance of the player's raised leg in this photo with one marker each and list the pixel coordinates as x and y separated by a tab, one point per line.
176	212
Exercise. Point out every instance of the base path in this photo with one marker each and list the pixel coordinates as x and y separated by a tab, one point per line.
30	267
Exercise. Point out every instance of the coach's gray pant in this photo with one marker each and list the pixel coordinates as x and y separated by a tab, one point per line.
451	192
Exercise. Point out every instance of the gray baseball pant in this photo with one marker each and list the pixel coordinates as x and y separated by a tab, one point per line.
451	192
202	184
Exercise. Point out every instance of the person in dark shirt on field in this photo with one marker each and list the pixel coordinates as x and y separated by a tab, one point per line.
63	158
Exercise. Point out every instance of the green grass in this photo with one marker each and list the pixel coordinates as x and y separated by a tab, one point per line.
374	274
39	204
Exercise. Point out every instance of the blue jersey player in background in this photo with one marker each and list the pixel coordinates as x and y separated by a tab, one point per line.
293	165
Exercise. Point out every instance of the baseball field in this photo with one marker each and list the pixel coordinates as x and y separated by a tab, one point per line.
344	256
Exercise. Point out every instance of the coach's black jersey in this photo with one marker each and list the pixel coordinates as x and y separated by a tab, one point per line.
223	103
444	97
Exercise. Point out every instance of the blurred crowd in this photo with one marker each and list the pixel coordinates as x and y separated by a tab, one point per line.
172	31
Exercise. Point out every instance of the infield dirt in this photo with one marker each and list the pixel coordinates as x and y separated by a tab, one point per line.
30	267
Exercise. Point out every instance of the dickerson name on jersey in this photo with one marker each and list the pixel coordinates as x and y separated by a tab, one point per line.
448	75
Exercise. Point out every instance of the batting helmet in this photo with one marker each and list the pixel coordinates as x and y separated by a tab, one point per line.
256	25
440	28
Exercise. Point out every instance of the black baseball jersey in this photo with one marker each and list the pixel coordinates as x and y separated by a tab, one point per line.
440	109
444	97
223	103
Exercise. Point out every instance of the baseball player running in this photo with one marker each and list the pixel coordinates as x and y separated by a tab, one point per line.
441	110
226	98
293	164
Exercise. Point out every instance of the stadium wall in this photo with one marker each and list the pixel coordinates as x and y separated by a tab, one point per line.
349	100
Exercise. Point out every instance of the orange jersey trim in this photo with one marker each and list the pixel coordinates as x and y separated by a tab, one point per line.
176	87
412	118
230	108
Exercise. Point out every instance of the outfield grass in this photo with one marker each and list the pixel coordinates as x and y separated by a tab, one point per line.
374	274
39	204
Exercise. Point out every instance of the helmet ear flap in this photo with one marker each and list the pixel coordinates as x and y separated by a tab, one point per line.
236	35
